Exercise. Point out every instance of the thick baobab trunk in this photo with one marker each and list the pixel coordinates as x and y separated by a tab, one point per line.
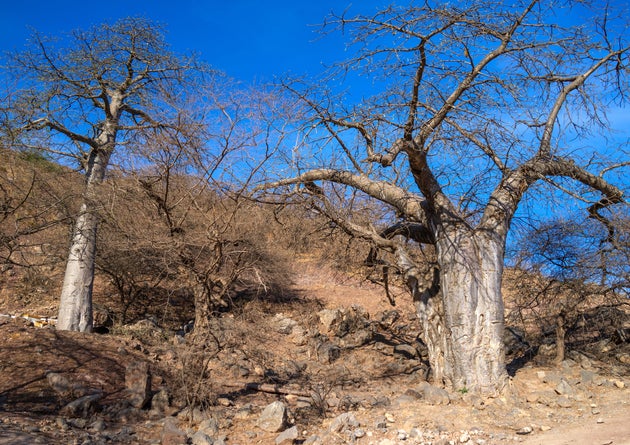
461	310
471	269
75	307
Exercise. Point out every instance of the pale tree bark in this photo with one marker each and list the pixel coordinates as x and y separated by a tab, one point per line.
75	306
80	103
477	98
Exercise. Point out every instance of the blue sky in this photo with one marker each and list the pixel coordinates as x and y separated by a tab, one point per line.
247	39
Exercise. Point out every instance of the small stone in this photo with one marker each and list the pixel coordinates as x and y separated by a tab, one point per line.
435	395
224	401
406	350
553	378
620	384
288	436
98	425
464	437
525	430
171	434
533	397
564	402
209	426
595	411
138	383
564	388
82	407
600	420
359	433
200	438
343	422
545	428
415	433
402	435
273	417
390	417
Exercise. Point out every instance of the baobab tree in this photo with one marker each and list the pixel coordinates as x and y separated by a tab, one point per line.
85	99
477	106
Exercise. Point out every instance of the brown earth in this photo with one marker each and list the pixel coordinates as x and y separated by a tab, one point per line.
373	380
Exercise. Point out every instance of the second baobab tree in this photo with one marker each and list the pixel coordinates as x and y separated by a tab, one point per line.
86	98
468	111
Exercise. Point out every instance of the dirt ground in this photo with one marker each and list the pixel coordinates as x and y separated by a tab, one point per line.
373	381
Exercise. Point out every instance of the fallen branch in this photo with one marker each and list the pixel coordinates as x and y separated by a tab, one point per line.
269	388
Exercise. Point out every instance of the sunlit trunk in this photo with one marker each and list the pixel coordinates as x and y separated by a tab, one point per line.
461	311
75	307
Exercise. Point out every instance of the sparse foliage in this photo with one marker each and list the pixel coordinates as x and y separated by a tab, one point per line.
81	100
478	107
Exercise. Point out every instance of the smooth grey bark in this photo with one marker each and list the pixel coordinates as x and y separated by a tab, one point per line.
471	267
75	306
460	307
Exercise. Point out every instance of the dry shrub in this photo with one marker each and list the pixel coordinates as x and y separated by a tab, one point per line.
169	248
37	205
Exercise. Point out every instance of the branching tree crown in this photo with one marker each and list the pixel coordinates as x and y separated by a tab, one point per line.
87	98
474	106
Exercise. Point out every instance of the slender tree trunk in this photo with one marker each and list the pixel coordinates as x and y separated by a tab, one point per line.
560	338
75	307
203	311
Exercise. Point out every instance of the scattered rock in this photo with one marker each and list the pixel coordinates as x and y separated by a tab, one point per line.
209	427
288	436
59	383
82	407
201	438
525	430
564	402
587	377
171	434
343	422
434	395
283	324
273	417
619	384
359	433
563	388
406	350
160	403
138	383
98	425
328	352
329	319
552	378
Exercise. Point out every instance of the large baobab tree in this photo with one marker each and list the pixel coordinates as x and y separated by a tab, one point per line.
86	98
468	110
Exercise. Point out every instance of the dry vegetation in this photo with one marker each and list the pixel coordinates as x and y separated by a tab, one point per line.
271	263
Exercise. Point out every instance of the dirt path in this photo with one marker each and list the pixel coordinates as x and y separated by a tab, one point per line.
614	430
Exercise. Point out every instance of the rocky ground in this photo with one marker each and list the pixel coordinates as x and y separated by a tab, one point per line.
338	365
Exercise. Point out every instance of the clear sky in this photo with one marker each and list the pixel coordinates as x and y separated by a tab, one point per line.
247	39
